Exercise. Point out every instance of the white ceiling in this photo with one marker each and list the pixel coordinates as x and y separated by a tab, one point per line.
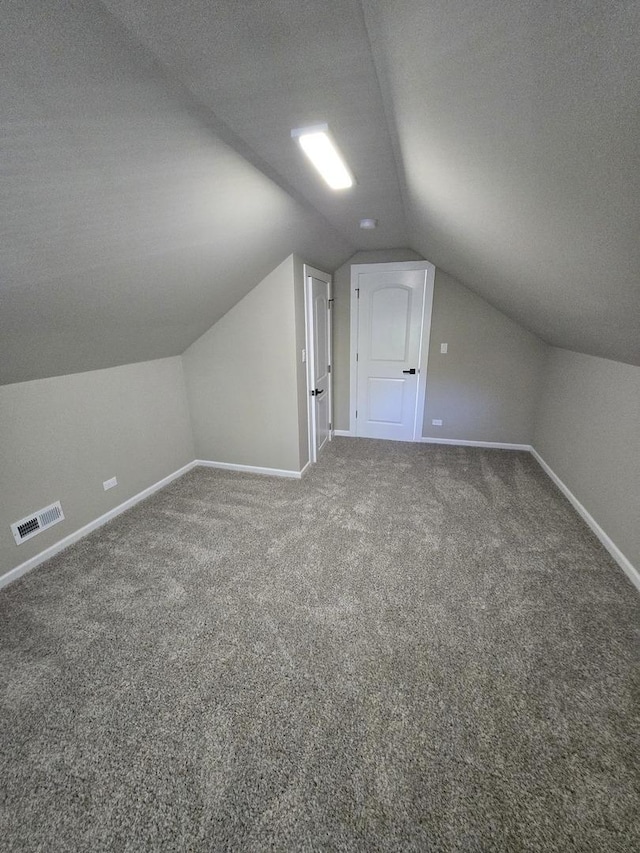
150	179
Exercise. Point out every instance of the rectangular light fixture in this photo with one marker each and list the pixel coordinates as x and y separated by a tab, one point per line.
317	144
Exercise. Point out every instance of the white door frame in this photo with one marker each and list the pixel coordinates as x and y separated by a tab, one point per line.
312	272
423	361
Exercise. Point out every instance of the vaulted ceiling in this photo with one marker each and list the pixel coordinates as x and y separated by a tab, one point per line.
150	180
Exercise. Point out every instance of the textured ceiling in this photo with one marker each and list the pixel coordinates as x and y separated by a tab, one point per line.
518	127
128	227
149	178
264	68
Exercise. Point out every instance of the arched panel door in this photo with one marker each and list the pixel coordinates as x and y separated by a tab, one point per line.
389	328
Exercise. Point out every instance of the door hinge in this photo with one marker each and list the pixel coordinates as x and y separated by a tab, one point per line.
329	301
356	356
329	368
358	292
356	413
330	425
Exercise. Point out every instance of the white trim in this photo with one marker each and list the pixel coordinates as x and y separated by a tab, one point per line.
625	564
251	469
354	308
398	265
310	272
425	335
496	445
54	549
425	340
305	468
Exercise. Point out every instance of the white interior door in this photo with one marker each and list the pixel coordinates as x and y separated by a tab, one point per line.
390	302
318	305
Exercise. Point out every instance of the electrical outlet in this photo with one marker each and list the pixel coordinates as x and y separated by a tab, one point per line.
436	422
444	348
109	484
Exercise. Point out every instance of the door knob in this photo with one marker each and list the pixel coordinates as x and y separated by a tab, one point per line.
317	392
411	370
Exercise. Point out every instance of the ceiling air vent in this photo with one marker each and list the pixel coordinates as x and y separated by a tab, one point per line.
37	522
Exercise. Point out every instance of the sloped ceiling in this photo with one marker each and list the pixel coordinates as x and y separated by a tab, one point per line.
128	225
150	179
518	129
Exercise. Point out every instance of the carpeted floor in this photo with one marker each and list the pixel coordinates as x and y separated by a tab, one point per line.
416	648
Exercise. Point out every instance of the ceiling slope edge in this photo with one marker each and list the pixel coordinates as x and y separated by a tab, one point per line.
217	125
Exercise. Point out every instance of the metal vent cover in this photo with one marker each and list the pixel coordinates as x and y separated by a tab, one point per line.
35	523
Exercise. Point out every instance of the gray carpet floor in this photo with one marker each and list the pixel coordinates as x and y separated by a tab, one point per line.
416	648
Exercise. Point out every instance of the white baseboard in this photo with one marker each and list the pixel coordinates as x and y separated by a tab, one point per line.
54	549
496	445
251	469
625	564
305	468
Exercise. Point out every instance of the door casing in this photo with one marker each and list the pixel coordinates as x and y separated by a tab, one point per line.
429	273
309	273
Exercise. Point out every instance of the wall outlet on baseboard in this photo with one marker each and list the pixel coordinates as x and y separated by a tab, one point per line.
444	348
109	484
436	422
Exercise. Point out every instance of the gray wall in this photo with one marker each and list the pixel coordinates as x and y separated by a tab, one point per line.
60	438
242	379
484	389
588	432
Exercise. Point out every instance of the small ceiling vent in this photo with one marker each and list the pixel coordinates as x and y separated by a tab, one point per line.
37	522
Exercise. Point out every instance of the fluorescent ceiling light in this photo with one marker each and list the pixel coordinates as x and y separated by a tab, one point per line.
317	144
